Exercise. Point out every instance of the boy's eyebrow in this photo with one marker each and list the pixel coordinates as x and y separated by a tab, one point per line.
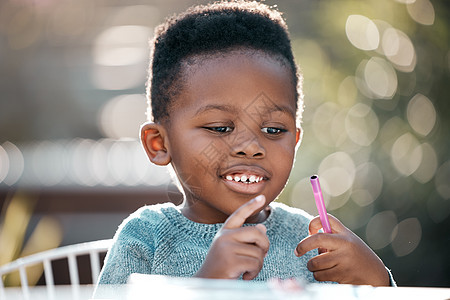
231	109
225	108
275	108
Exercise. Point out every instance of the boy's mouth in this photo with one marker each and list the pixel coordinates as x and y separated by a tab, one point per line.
245	179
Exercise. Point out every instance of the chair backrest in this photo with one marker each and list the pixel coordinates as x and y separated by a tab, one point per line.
71	252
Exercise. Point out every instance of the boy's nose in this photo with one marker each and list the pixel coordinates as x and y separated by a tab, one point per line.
250	148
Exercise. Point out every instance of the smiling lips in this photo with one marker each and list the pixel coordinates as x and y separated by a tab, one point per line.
244	178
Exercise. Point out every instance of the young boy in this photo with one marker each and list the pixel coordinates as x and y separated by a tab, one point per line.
226	101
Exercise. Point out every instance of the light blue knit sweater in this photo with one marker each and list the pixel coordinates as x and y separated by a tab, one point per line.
158	239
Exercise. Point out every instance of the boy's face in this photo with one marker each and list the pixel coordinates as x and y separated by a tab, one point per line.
232	133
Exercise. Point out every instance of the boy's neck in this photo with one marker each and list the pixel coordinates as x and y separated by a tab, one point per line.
259	218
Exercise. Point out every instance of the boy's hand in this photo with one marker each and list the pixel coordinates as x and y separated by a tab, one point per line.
237	250
343	256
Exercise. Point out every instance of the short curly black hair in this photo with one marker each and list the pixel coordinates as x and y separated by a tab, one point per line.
211	29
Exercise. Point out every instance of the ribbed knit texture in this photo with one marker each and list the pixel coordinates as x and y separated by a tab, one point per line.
158	239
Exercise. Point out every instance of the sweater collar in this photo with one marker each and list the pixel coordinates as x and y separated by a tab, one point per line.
173	213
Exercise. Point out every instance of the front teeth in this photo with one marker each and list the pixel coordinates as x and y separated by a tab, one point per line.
244	178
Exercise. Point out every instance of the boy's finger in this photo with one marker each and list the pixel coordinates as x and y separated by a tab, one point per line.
252	267
262	228
247	250
252	235
331	274
322	262
315	225
328	241
238	218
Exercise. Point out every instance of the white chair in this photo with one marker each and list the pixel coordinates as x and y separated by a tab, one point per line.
94	249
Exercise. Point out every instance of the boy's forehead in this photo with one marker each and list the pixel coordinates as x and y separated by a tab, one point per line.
261	105
213	73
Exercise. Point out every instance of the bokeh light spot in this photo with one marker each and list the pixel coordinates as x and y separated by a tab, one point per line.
361	124
122	116
399	49
421	114
390	131
362	32
382	26
4	164
380	228
157	175
323	122
99	165
121	45
16	163
406	154
337	172
337	202
442	180
422	11
380	78
121	56
347	92
337	130
79	162
119	53
141	165
118	78
118	162
368	184
428	165
45	158
358	217
406	236
81	153
303	197
314	59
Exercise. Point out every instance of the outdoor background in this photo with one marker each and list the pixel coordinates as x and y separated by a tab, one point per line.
376	123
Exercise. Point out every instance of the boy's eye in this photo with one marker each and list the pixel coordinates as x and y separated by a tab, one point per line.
273	130
220	129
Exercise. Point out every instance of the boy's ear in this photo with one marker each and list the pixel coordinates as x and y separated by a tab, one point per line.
154	140
298	136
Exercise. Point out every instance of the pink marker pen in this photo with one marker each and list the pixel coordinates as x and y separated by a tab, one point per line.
320	204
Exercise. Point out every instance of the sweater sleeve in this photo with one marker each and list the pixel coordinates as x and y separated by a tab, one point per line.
131	252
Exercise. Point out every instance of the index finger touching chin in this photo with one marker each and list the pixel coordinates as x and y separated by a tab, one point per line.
237	219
